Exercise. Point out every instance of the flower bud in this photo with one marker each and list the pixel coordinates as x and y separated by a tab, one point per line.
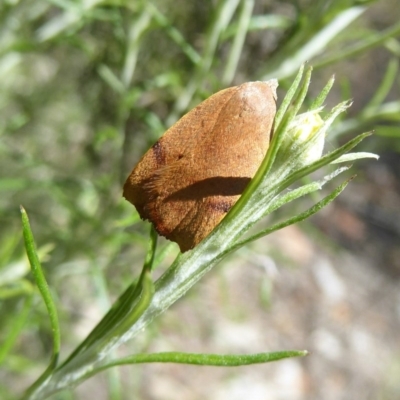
303	142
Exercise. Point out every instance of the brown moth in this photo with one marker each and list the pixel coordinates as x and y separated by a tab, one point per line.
191	177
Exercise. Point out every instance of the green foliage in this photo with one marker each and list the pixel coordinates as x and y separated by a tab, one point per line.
85	88
137	307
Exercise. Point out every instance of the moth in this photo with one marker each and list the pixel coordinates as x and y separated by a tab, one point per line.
192	176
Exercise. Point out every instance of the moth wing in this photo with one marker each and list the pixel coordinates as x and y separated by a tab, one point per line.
187	182
189	214
179	142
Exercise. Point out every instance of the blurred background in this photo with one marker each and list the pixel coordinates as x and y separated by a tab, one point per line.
86	86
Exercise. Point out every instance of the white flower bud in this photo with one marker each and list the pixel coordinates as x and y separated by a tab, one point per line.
302	144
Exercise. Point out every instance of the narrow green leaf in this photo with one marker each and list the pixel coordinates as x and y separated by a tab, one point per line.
146	294
260	22
302	91
288	97
386	85
136	30
303	190
42	285
310	41
141	303
282	128
341	107
238	42
370	42
389	111
44	290
151	252
298	218
354	156
328	158
222	18
319	101
219	360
